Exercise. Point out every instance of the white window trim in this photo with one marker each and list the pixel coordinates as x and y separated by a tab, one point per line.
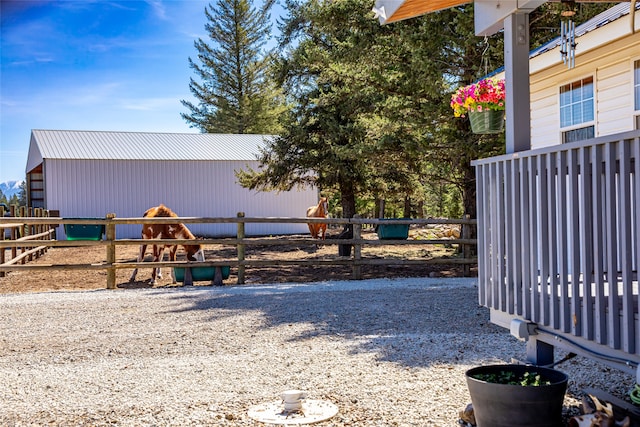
595	112
635	113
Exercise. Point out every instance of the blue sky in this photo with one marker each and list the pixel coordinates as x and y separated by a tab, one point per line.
93	65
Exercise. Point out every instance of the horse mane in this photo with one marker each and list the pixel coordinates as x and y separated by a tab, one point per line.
159	211
162	211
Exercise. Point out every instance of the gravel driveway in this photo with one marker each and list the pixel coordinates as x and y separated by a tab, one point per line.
386	352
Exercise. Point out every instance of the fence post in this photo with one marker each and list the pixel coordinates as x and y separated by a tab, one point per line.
110	234
240	249
25	232
37	212
15	232
3	250
466	252
356	270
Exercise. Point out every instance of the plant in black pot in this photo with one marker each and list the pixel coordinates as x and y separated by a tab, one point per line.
516	395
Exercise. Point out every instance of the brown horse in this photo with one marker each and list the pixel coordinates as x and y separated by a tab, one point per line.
320	211
165	231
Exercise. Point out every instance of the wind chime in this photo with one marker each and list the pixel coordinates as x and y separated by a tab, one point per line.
568	35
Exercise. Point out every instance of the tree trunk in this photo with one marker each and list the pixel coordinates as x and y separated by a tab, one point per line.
469	191
347	199
407	207
380	206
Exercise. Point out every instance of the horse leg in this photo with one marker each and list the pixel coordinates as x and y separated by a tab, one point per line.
158	255
323	229
143	249
312	230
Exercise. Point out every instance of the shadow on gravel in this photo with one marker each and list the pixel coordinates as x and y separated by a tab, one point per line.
392	322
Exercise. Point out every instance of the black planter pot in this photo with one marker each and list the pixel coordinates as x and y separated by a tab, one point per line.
506	405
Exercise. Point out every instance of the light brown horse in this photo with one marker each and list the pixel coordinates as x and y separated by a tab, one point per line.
166	231
320	211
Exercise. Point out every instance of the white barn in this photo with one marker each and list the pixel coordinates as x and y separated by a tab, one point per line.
88	174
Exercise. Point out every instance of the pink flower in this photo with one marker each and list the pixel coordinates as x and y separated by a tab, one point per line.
486	94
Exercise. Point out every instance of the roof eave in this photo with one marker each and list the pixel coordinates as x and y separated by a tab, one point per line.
389	11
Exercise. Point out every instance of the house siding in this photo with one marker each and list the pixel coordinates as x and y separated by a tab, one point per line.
614	95
94	188
606	49
612	70
545	113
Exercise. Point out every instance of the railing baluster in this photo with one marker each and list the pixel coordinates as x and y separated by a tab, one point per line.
626	340
574	235
525	256
563	239
516	231
610	300
484	238
599	246
586	246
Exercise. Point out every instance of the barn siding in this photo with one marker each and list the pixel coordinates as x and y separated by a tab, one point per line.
93	188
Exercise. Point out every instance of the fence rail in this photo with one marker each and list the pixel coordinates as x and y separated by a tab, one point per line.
18	230
240	242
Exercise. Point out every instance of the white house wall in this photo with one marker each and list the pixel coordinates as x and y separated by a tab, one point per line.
614	96
607	54
546	116
612	70
94	188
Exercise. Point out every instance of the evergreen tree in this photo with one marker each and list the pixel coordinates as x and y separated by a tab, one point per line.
235	93
22	194
325	140
372	115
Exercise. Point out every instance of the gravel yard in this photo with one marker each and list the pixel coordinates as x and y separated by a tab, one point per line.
387	352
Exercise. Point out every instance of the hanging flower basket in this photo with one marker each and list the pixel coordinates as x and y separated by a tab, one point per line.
483	101
487	121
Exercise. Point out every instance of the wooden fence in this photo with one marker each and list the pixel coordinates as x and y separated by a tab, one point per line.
19	230
241	242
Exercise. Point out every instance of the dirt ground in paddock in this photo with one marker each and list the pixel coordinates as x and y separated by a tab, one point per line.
56	280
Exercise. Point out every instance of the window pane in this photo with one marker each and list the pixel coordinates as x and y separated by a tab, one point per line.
576	114
590	132
576	103
565	116
576	95
578	134
587	112
636	82
587	87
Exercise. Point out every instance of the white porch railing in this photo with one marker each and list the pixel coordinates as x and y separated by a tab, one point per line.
559	244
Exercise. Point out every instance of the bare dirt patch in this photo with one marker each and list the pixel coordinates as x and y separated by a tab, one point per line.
55	280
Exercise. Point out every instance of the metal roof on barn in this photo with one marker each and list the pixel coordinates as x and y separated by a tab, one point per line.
105	145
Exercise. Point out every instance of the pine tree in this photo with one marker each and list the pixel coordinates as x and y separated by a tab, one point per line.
372	115
235	93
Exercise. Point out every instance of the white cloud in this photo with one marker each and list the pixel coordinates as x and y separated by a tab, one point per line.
159	9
